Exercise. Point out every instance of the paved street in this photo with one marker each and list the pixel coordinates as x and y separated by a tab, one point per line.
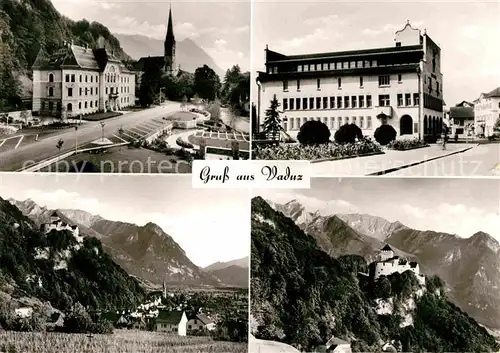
15	159
391	159
483	160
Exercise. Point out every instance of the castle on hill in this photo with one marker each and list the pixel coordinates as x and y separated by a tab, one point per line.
388	264
58	225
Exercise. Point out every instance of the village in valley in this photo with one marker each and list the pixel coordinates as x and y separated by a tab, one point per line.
80	288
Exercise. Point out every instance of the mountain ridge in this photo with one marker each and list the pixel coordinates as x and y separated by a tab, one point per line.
302	296
146	252
469	266
189	55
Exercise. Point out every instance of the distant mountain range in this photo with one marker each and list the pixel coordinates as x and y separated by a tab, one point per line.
189	55
59	268
305	298
469	266
232	272
145	252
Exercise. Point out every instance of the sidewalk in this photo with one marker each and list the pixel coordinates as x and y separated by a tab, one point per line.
172	139
388	162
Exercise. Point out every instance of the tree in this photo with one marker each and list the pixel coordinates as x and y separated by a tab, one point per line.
60	144
385	134
150	83
206	83
348	133
78	320
236	90
235	148
184	103
382	288
255	125
272	122
313	132
203	145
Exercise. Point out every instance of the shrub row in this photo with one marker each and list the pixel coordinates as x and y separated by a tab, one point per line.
403	145
315	152
183	143
316	132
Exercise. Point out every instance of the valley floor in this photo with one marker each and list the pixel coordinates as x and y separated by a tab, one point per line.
122	341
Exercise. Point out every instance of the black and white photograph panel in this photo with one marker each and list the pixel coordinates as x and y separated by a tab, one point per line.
376	265
361	94
123	86
122	264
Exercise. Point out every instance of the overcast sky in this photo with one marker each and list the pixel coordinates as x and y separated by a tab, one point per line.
456	206
222	28
209	224
467	32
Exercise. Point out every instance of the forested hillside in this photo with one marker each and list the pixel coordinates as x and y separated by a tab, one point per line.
56	268
28	25
302	296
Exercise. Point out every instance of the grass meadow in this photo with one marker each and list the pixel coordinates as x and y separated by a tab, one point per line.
122	341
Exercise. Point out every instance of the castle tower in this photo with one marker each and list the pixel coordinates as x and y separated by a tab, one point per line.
54	217
386	253
169	45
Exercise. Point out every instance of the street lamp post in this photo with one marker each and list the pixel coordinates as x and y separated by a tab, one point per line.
420	124
161	89
76	139
102	126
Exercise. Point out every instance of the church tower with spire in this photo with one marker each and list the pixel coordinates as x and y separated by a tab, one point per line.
169	45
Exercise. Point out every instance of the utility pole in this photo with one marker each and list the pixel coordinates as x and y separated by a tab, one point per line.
420	103
76	139
102	126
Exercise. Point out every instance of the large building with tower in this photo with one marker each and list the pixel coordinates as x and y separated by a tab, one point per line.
78	80
166	62
400	85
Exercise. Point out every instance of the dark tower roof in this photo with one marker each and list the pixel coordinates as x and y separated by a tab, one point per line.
170	29
387	248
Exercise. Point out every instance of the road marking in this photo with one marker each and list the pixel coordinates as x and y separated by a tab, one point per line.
19	142
133	133
118	137
140	129
133	138
147	125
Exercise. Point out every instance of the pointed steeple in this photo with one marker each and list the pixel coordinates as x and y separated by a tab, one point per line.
170	44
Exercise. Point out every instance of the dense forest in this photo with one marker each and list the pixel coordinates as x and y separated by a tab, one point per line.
302	296
55	268
26	26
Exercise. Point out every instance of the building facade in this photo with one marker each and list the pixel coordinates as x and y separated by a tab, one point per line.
401	86
462	120
389	264
201	322
173	322
77	80
58	225
486	112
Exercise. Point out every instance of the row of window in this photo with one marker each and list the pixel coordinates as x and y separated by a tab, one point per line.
91	90
91	104
346	102
331	122
383	81
110	78
72	78
336	65
485	106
